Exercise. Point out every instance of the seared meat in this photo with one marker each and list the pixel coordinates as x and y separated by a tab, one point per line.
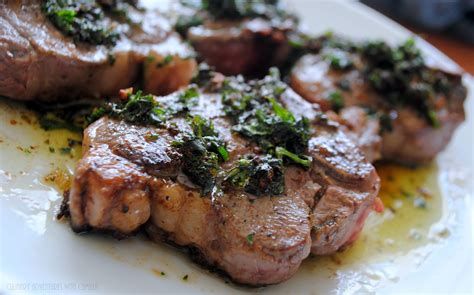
237	40
413	129
132	175
363	129
39	62
240	47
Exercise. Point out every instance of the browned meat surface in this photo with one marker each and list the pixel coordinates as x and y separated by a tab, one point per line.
364	130
410	138
38	62
126	180
240	47
238	38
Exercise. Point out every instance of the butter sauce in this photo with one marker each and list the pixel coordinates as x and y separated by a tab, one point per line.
413	203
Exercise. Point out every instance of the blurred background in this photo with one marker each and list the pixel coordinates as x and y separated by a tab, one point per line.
447	24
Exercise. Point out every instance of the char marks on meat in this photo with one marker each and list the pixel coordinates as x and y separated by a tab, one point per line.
39	62
131	176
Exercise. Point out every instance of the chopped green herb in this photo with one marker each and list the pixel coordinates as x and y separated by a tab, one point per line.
223	152
66	16
189	93
398	73
185	22
401	75
202	151
96	114
51	149
150	59
52	121
83	20
260	117
336	99
235	9
199	164
142	109
258	175
385	123
202	127
250	239
433	119
185	278
165	61
232	9
111	58
162	273
118	9
280	111
303	160
339	60
203	76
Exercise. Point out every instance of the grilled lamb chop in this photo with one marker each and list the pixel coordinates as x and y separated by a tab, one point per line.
186	169
415	107
238	40
52	55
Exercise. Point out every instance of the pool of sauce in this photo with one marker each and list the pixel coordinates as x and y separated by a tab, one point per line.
413	203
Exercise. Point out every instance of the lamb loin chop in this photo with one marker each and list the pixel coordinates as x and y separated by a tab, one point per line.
238	37
392	96
247	173
61	50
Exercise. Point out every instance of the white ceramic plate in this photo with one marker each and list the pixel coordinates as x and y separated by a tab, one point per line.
410	251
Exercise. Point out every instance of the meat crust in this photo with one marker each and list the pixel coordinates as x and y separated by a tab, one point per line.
412	139
255	240
37	62
247	47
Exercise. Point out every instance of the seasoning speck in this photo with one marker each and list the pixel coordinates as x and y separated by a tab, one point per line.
158	272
